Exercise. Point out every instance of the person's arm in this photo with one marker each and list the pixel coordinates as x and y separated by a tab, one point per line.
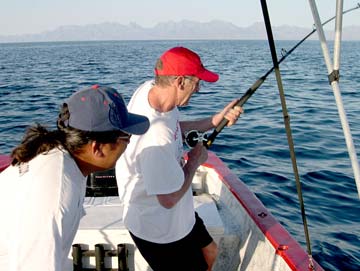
205	124
196	157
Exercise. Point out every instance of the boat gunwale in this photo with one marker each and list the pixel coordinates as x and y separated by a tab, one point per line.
5	161
285	245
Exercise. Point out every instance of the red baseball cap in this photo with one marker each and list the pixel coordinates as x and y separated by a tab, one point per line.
182	61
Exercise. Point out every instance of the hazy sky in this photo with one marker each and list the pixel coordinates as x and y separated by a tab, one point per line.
34	16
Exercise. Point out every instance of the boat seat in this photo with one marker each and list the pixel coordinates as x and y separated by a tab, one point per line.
206	208
102	213
110	210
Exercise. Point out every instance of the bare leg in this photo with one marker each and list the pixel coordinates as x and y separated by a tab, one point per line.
210	252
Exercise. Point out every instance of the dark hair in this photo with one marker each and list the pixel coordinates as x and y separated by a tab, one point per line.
38	139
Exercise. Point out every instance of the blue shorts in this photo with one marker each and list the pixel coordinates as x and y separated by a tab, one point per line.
182	255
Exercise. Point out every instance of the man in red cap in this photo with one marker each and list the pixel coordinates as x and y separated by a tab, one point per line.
154	182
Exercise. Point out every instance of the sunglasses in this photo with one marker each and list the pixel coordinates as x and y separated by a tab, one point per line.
124	136
193	79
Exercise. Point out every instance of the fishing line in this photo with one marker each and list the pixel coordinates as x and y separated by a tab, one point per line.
210	139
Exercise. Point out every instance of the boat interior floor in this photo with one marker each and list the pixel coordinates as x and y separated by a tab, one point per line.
103	224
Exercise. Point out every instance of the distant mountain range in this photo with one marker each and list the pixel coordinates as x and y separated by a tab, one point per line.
218	30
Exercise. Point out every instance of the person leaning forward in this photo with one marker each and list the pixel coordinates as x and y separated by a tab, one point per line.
153	181
42	191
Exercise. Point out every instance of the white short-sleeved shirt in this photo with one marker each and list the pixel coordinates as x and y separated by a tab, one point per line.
151	165
41	203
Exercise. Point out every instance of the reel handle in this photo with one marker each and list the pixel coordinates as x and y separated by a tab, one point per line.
193	137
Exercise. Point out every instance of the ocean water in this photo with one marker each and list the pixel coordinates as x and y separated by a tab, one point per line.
36	77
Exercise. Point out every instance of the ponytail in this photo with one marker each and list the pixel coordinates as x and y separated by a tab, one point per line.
36	140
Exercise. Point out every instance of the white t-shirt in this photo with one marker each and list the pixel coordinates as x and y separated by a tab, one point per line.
41	203
151	165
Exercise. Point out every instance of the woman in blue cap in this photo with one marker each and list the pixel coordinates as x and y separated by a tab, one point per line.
42	191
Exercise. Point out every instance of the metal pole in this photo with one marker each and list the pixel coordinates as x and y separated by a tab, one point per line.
337	40
336	89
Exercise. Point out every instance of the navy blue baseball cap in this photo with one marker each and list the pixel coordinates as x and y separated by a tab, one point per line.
102	109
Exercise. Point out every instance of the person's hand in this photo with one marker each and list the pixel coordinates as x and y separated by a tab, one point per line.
198	155
230	112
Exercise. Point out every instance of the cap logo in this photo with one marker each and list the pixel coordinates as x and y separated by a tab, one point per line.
117	112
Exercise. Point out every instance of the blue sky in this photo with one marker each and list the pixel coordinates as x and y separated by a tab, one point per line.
34	16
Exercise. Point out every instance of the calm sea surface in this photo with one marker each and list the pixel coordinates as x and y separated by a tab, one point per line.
36	77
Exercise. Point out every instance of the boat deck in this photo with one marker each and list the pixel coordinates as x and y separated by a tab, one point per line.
103	224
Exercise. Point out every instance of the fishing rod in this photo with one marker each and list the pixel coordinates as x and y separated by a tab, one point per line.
287	127
193	136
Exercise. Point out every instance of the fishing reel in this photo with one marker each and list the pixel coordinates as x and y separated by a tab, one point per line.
193	137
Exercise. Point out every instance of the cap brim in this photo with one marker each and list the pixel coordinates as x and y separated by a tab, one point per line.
208	76
136	124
